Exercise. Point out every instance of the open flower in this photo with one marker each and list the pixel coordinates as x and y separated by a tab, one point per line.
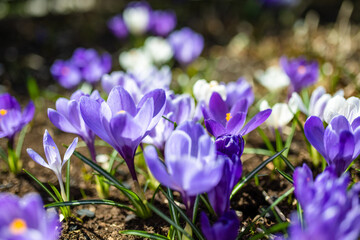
339	143
121	123
302	73
54	161
187	45
191	165
338	105
117	26
67	118
26	218
220	120
12	119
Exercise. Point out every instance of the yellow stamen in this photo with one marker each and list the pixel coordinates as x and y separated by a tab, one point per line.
121	111
228	116
3	112
301	69
18	226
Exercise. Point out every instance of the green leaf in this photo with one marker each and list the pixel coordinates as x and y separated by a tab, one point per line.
144	234
173	212
287	162
266	140
42	186
285	175
57	193
253	173
33	88
290	138
21	141
89	202
196	208
3	154
258	151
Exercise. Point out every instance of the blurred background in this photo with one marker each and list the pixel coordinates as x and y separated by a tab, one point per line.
240	36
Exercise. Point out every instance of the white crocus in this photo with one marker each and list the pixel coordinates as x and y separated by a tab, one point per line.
338	105
135	60
203	90
274	78
158	49
137	19
281	114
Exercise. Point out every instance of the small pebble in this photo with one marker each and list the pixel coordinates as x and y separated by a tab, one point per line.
85	212
130	217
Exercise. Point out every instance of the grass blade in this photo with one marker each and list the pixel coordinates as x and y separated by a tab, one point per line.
287	162
259	151
144	234
3	154
173	212
21	140
42	186
89	202
285	175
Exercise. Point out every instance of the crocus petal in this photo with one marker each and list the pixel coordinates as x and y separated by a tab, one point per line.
28	113
145	115
303	179
123	125
235	124
51	150
119	99
357	143
240	106
206	227
339	124
62	106
178	144
256	121
334	107
37	158
346	151
218	108
60	121
33	211
215	128
159	97
314	132
70	150
9	102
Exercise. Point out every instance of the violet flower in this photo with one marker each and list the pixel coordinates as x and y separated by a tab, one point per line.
302	73
226	227
163	22
231	146
240	89
187	45
191	165
67	118
66	74
220	120
117	26
12	119
339	143
121	123
329	210
26	218
54	161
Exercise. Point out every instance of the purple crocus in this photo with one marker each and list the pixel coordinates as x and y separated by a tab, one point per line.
330	211
226	227
302	73
117	26
231	146
240	89
339	143
163	22
121	123
12	119
191	165
67	118
25	218
187	45
66	74
54	161
220	120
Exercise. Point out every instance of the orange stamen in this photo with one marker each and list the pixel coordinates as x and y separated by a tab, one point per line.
228	116
301	69
18	226
3	112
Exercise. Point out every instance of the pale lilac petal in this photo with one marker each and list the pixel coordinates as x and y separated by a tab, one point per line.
159	97
60	121
256	121
178	144
70	150
120	100
144	116
37	158
123	125
28	113
62	106
51	150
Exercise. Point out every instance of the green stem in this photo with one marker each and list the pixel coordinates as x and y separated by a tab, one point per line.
188	230
13	160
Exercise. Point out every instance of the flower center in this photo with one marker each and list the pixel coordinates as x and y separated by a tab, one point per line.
228	116
18	226
301	69
121	111
65	71
3	112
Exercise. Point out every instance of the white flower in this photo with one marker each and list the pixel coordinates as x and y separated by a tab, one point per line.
337	105
274	78
135	60
203	90
137	19
281	114
158	49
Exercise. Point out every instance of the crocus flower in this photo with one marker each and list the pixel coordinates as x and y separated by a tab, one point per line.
318	101
240	89
330	211
66	73
178	109
158	49
120	78
135	60
137	17
220	120
226	227
121	123
187	45
117	26
339	143
231	146
162	22
273	79
338	105
281	114
54	161
203	90
302	73
191	165
12	119
67	118
26	218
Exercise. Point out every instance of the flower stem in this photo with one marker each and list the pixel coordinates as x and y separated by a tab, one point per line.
188	230
13	160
